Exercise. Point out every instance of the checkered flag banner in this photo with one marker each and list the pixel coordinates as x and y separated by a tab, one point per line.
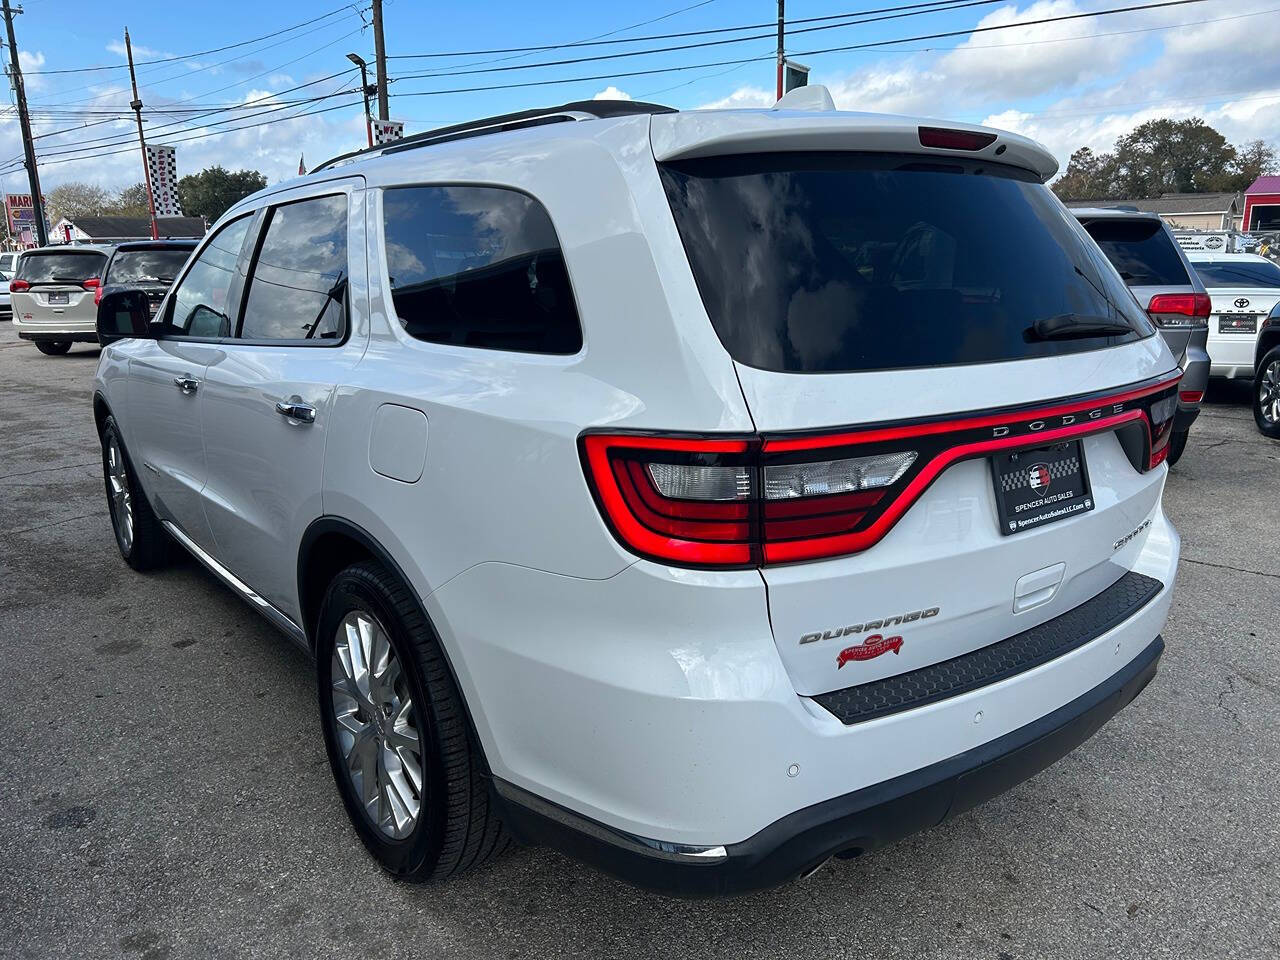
387	131
162	164
1031	476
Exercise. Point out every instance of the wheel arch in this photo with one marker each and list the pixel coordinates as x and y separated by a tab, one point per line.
329	545
101	410
1269	339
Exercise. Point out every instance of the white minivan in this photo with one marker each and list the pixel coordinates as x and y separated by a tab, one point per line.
703	494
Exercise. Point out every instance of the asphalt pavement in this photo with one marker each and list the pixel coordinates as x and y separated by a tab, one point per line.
164	790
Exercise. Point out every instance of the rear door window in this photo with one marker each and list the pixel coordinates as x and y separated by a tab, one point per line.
149	265
478	267
298	287
823	263
1141	250
60	267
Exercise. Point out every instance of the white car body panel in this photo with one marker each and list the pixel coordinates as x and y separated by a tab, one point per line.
1233	354
666	702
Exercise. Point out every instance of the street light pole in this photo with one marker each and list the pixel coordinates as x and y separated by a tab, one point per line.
364	88
142	141
781	55
24	120
380	57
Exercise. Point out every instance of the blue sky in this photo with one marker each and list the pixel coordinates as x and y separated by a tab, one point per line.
1077	82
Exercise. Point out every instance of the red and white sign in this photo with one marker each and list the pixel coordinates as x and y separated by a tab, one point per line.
162	164
387	131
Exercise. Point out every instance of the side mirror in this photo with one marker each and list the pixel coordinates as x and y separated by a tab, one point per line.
122	315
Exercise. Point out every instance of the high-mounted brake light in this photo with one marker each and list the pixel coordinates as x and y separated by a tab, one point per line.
1180	309
945	139
17	286
757	500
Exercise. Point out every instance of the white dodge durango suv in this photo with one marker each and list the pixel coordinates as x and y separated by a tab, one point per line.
702	494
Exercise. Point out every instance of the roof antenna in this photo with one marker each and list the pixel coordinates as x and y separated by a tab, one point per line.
814	97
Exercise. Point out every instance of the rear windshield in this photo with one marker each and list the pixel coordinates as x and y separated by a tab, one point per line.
155	265
60	267
1243	274
821	263
1141	250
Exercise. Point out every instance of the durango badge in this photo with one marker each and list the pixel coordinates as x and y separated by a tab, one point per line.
869	649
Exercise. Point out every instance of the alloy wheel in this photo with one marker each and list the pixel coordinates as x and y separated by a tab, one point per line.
376	724
121	495
1269	393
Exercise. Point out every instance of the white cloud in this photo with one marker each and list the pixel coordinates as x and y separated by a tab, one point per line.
612	93
742	97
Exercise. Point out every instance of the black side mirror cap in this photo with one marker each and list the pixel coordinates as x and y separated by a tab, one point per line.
122	315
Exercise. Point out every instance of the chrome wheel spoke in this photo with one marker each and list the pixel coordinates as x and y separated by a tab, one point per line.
121	496
376	725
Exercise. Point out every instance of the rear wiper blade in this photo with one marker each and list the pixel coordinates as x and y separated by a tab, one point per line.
1064	326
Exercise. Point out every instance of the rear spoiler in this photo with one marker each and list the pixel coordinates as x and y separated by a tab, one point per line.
690	134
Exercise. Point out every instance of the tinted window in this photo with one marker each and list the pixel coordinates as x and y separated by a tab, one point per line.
1243	273
843	262
478	267
299	282
1141	250
155	265
60	267
200	304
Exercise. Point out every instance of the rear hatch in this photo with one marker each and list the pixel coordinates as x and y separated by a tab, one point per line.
57	285
1150	261
150	269
954	391
1241	292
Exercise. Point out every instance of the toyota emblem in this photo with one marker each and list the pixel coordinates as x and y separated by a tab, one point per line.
1242	302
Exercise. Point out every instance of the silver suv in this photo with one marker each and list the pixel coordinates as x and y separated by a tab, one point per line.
1149	259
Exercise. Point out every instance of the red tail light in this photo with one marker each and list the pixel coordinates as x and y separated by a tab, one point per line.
749	501
1191	396
97	295
945	139
18	286
1166	308
92	283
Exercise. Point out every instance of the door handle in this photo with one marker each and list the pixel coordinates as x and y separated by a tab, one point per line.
186	384
296	410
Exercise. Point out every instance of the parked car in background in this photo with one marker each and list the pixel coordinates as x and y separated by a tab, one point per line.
6	308
1266	381
53	295
1153	264
146	265
1243	287
799	491
9	262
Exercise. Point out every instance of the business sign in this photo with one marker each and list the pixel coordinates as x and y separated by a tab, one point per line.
162	164
387	131
19	212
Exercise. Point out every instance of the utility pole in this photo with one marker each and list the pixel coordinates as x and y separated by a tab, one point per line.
380	56
781	55
142	141
24	120
360	62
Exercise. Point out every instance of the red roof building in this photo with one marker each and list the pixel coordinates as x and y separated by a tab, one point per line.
1262	205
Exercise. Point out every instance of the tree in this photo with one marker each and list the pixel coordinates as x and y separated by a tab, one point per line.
1172	156
77	199
132	202
211	191
1253	160
1089	176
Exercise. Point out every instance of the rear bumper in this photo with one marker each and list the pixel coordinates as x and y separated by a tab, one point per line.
1195	377
1233	355
847	825
53	335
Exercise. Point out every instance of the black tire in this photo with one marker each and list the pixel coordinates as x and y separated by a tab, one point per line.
146	545
1177	443
1266	383
457	828
53	348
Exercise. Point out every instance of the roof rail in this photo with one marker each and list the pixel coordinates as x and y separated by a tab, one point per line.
577	110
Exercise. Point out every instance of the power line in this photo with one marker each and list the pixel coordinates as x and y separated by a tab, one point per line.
198	53
840	49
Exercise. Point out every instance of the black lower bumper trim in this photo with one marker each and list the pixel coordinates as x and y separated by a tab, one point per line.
854	823
40	335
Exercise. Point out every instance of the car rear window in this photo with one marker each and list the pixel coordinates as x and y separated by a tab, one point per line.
1141	250
60	266
154	265
821	263
1242	274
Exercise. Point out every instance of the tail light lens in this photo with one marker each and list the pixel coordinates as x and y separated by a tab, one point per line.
945	139
1191	396
1180	309
18	286
97	295
749	501
93	283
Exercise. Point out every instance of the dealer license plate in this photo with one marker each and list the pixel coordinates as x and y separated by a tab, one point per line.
1035	487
